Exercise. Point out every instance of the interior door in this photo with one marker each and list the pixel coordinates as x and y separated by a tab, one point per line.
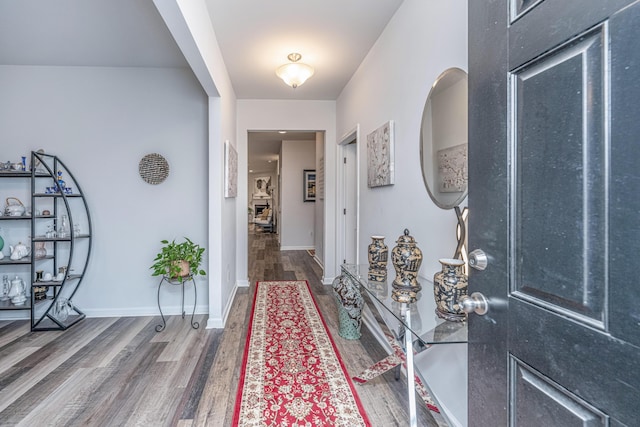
350	202
554	198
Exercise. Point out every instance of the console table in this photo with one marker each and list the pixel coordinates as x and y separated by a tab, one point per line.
407	329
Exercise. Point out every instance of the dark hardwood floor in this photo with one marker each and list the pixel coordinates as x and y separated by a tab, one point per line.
121	372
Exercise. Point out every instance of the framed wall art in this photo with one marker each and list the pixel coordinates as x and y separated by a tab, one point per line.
309	185
262	187
230	170
380	161
452	169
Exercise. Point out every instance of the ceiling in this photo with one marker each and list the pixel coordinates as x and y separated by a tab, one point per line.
264	148
255	37
109	33
333	36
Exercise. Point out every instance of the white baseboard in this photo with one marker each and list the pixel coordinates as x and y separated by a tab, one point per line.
296	248
370	322
328	280
219	323
227	309
317	260
242	283
173	310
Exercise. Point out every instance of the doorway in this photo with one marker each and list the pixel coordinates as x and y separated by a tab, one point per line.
279	159
348	209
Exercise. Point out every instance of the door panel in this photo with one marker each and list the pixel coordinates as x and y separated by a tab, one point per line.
554	198
559	160
539	401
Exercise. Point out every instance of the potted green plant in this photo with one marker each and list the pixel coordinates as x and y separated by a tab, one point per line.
178	260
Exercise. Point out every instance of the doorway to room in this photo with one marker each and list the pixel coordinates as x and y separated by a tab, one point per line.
282	181
348	209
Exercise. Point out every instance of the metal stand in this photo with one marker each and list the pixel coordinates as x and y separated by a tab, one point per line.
461	236
180	281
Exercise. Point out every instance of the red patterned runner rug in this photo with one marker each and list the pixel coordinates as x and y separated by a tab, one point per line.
291	373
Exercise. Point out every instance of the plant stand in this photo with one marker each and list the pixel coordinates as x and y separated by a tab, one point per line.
178	282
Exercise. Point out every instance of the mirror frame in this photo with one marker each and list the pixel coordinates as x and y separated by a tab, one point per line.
428	147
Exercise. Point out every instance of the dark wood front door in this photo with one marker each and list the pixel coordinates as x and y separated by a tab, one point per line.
554	198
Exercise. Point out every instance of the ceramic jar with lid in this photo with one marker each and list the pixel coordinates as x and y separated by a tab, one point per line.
406	258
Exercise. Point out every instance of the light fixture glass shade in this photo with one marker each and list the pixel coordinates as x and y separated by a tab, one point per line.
295	73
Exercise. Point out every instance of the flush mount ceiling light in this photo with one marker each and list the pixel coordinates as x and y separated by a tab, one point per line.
295	73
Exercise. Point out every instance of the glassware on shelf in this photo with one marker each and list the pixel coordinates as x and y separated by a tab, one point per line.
62	309
63	230
40	251
5	288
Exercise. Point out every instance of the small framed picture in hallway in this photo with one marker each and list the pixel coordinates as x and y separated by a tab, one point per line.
309	185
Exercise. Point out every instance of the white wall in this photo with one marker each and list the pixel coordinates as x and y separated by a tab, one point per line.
422	39
290	115
101	122
189	23
297	222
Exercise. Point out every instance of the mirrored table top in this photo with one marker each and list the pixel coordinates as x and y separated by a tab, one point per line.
425	325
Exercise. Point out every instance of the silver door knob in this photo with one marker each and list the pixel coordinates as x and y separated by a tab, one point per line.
478	259
475	303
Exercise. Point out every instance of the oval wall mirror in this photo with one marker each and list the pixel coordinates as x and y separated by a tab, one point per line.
443	139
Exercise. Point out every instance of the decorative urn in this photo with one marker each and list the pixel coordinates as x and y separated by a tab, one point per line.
449	286
406	258
378	254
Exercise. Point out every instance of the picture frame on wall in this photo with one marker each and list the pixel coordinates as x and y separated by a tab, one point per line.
230	170
262	187
309	185
452	169
380	156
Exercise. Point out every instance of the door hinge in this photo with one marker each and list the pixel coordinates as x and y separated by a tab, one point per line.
344	160
344	211
344	261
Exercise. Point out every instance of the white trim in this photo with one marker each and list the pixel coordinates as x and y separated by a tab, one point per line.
317	260
372	324
296	248
171	310
351	135
242	283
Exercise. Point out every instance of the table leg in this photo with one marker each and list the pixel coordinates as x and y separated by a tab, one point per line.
410	373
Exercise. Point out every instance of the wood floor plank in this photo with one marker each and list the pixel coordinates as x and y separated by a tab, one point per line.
39	371
190	402
12	358
11	330
218	398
